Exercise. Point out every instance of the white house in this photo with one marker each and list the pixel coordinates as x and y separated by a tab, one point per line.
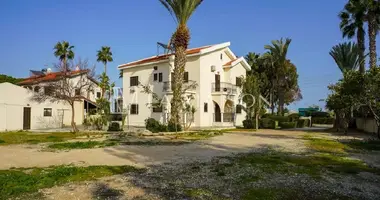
215	69
19	112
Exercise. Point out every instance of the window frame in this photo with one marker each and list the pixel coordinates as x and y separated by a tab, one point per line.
239	81
46	110
132	81
160	77
136	109
239	109
155	77
205	107
156	109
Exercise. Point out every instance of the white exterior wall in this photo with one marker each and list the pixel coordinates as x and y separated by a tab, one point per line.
14	98
199	68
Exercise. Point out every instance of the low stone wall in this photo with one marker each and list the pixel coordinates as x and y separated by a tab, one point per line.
366	124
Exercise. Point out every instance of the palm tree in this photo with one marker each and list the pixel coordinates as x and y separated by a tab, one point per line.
352	22
279	51
373	17
105	55
347	56
64	51
181	10
253	60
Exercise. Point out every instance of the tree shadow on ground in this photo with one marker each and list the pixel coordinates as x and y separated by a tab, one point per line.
104	192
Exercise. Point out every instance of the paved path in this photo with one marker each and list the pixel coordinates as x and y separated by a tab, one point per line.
33	156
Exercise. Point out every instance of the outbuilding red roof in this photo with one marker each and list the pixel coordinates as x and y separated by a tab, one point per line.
230	62
48	77
162	57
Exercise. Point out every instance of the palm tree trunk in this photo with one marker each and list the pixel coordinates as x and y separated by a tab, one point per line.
361	43
105	68
181	41
372	30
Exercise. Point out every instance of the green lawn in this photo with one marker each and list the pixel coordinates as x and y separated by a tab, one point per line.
26	181
22	137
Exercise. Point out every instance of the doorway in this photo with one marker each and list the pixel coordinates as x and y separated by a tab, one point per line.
27	118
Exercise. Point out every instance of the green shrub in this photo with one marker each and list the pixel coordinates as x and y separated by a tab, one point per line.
154	126
268	123
320	114
172	127
288	124
114	126
277	118
322	120
293	117
301	123
249	124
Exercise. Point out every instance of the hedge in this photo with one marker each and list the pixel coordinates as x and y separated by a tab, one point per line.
322	120
301	123
115	126
286	125
276	118
249	124
155	126
268	123
293	117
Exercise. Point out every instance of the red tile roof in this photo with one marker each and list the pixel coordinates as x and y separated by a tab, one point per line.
48	77
230	62
162	57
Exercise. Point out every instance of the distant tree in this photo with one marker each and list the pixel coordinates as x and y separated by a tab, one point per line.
67	89
9	79
278	51
105	55
64	51
347	56
353	18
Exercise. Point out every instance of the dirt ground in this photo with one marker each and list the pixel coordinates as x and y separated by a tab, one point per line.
34	156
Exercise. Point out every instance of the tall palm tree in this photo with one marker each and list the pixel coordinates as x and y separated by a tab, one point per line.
64	51
352	22
279	51
373	17
253	61
347	56
181	10
105	55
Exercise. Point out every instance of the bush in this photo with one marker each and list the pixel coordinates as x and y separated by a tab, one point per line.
249	124
154	126
288	124
293	117
301	123
172	128
115	126
320	114
322	120
277	118
268	123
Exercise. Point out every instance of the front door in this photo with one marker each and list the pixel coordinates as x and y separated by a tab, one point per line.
27	118
217	83
217	113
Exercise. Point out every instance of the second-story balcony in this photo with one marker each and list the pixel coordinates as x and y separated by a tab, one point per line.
224	87
188	86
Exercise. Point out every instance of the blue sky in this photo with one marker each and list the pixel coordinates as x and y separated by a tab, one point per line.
29	30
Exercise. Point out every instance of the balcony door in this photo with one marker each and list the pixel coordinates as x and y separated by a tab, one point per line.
217	83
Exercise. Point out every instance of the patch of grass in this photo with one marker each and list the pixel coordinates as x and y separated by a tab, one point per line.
200	135
82	145
369	145
325	145
22	137
17	182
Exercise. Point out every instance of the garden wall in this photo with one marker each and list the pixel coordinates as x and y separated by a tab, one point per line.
366	125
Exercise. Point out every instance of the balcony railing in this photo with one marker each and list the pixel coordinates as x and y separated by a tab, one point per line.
224	117
187	85
224	87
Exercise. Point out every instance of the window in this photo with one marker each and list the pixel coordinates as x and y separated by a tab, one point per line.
186	77
98	95
238	81
37	89
77	92
134	109
205	107
157	109
155	67
48	112
155	77
238	109
160	77
221	56
48	90
134	81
